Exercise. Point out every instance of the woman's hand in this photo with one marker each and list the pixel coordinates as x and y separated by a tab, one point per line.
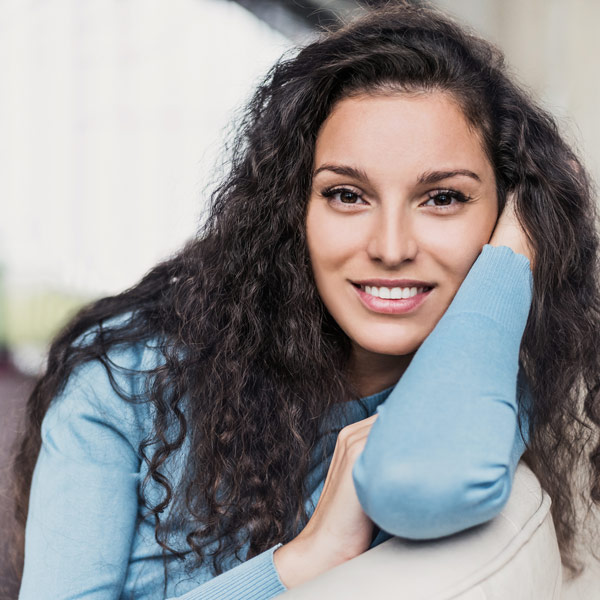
338	529
508	232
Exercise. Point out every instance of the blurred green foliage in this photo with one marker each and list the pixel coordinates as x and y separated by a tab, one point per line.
33	317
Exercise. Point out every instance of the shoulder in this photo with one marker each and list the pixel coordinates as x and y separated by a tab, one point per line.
105	401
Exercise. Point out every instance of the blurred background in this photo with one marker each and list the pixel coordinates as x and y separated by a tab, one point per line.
113	118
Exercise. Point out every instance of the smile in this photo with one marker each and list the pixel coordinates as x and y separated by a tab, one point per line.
392	300
395	293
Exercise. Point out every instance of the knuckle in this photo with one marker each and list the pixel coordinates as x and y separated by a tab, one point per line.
356	451
352	438
345	433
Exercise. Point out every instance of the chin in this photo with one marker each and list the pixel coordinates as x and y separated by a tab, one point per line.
392	346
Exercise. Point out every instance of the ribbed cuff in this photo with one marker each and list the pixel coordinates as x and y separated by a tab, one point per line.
499	285
255	579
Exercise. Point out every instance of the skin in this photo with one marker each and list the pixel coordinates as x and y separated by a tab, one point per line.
392	225
389	224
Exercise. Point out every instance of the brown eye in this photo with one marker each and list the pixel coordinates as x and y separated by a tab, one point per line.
348	197
343	196
444	199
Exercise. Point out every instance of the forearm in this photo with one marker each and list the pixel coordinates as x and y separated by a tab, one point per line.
255	579
441	455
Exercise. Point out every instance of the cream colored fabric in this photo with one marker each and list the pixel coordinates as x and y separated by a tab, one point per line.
515	556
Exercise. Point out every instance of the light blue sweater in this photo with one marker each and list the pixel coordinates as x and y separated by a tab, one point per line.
440	458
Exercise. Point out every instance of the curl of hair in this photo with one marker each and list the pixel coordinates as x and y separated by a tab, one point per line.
245	335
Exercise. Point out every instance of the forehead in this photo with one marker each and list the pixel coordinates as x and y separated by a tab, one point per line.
402	132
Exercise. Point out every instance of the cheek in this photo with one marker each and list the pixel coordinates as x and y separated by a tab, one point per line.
330	244
457	243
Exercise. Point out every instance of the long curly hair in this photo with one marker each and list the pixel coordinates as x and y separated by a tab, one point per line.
244	333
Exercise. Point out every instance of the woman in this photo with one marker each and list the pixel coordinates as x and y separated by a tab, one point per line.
363	272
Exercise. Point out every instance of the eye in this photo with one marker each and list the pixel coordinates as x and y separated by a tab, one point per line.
446	199
344	196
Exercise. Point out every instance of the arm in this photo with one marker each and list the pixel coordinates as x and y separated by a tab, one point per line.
255	579
441	456
84	505
83	500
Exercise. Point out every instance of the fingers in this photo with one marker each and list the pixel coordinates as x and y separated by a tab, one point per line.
509	231
359	426
510	199
350	443
353	437
339	529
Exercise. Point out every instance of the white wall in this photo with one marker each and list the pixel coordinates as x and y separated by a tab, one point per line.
552	46
112	113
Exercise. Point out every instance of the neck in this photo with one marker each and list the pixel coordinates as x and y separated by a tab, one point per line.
371	373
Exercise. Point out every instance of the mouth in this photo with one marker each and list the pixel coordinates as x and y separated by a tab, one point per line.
392	293
392	300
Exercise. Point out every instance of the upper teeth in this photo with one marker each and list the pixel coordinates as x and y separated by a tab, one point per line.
393	293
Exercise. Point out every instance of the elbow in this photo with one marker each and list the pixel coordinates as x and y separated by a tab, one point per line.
427	503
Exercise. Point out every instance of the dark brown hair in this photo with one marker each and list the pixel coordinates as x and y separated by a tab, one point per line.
244	333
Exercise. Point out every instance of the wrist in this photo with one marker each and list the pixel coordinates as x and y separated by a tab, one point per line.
290	561
301	560
515	245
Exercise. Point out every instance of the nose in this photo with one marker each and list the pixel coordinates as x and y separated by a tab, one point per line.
392	238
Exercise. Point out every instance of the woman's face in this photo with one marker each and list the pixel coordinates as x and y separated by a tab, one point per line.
403	200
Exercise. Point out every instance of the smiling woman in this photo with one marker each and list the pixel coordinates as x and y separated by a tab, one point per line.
394	300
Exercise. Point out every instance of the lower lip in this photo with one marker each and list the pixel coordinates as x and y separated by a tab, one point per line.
391	307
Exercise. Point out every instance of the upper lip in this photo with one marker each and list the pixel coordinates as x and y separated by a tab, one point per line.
392	283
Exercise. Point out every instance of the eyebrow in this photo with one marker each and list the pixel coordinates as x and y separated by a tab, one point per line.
425	178
435	176
343	170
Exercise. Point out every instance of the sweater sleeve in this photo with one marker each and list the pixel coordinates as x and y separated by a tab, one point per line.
83	499
255	579
442	454
83	506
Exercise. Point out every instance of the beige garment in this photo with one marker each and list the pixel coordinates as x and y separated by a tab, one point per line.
513	557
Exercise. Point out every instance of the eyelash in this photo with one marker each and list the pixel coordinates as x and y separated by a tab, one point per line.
453	194
331	192
458	196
